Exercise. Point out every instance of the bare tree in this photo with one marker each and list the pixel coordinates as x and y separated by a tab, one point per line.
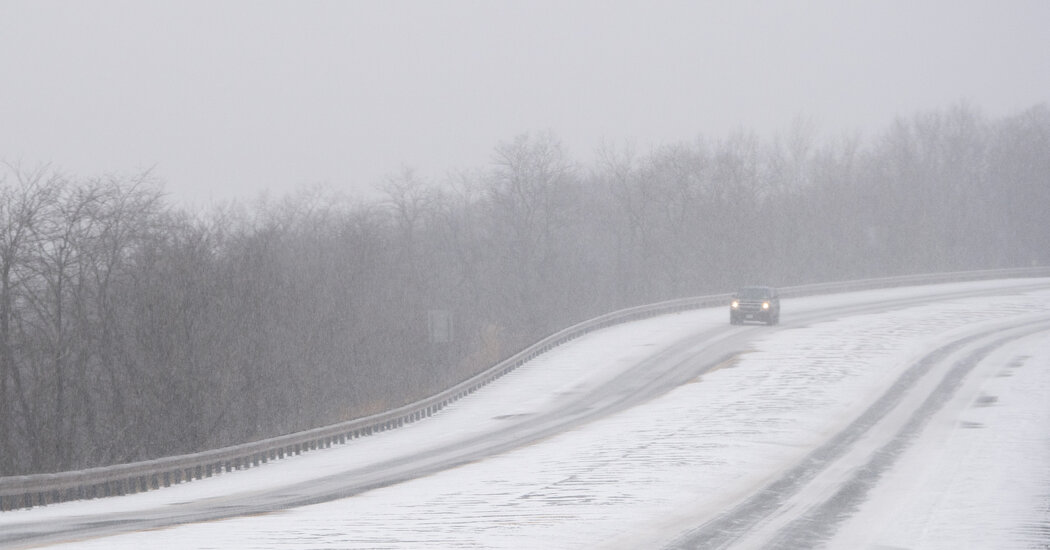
23	203
530	197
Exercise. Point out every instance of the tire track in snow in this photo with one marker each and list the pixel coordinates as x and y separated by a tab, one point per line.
819	522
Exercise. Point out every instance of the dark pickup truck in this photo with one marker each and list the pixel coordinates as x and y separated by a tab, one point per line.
755	303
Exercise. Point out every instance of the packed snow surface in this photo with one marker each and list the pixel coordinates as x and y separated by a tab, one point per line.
977	477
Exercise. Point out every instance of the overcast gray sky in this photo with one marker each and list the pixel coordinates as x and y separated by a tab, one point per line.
227	98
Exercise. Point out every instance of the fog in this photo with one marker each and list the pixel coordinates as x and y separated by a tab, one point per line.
131	329
510	168
226	100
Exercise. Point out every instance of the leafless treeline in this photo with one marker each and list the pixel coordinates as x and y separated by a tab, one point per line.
130	330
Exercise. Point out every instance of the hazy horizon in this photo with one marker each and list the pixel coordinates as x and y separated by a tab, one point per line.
228	99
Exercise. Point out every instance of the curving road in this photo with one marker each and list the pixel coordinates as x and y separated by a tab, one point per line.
815	520
801	503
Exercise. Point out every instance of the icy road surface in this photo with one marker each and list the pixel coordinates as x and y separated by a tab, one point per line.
878	419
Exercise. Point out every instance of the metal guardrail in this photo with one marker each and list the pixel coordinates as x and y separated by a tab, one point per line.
42	489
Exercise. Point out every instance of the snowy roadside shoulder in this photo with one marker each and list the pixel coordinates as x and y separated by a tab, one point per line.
978	477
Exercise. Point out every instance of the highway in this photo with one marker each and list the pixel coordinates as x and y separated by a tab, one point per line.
774	483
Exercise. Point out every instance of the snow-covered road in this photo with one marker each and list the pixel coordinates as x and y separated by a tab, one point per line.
731	458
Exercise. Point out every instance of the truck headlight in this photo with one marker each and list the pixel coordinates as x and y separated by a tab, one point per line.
765	305
735	304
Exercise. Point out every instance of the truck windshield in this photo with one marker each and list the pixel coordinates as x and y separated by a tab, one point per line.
753	293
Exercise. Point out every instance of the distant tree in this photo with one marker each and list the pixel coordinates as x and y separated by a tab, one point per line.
1016	196
530	202
23	205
